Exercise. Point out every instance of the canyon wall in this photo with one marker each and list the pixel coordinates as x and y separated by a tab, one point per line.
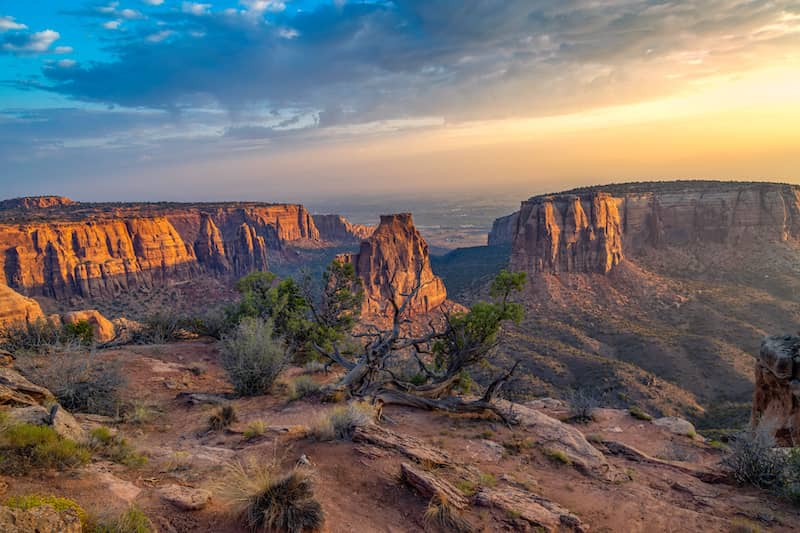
388	263
503	230
103	250
336	228
36	202
593	229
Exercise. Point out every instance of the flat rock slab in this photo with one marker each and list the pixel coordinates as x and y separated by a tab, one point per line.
428	485
185	498
18	390
42	519
411	447
537	511
676	425
552	434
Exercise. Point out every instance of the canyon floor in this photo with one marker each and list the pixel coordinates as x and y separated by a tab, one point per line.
358	484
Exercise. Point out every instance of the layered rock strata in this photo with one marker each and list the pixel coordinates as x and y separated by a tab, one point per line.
593	229
336	228
388	263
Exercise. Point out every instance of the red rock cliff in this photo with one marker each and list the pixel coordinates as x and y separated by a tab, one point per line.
99	250
36	202
336	228
390	259
592	229
776	399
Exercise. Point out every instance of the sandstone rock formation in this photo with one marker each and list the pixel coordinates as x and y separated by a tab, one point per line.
104	330
568	233
388	263
36	202
15	308
776	399
336	228
592	229
503	230
102	250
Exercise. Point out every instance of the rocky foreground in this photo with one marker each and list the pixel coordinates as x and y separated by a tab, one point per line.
616	472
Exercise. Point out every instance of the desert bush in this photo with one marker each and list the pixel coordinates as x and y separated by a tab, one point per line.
81	383
265	502
582	404
114	447
252	357
341	421
222	418
32	501
215	322
160	328
753	459
557	456
44	336
303	386
442	516
639	413
25	447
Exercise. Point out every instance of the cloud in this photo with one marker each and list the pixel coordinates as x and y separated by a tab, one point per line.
112	24
66	63
153	2
260	6
8	23
159	36
195	8
131	14
22	43
63	50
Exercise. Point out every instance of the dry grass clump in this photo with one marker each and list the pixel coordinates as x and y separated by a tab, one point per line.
442	516
255	429
114	447
302	387
639	413
222	418
582	404
264	502
341	421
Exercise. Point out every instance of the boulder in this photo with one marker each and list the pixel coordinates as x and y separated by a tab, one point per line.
43	519
16	308
555	435
56	417
104	330
185	498
17	391
676	425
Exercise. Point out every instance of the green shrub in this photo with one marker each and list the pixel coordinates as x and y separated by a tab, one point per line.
558	456
222	418
39	336
264	502
115	448
638	413
252	357
131	521
341	421
82	331
161	328
32	501
24	447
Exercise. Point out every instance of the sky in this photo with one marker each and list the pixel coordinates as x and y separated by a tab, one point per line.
303	100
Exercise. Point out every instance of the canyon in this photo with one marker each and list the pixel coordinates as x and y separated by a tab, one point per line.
62	249
655	293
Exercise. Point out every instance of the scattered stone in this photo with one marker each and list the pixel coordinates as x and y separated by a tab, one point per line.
42	519
185	498
6	359
537	511
676	425
428	485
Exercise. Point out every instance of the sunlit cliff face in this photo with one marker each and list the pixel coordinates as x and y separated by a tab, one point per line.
281	99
